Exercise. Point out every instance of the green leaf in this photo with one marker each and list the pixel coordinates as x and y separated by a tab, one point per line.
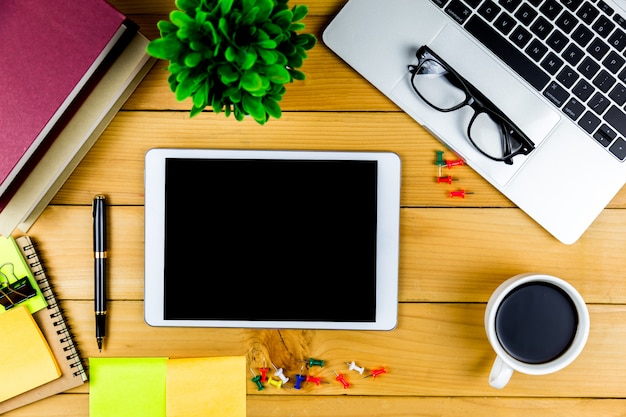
251	81
187	5
195	110
299	12
228	74
272	108
225	6
165	27
254	107
165	48
184	89
200	97
296	26
267	44
306	40
181	19
283	18
250	16
269	57
193	59
266	7
277	74
230	54
249	59
297	75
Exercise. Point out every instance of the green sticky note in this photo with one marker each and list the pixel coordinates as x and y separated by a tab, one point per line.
127	387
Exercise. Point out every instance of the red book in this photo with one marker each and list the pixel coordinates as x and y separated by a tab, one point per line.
50	50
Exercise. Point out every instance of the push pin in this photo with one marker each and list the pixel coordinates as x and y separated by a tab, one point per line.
264	370
275	382
376	372
353	367
440	162
455	163
446	180
342	379
257	380
299	380
459	193
314	379
278	372
315	362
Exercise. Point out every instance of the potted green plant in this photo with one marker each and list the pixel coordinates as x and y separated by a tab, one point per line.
233	55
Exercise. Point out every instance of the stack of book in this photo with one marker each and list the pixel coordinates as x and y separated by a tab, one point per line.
67	68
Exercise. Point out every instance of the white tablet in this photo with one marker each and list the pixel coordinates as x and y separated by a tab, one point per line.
271	239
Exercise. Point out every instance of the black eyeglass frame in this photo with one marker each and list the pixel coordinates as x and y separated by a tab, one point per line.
509	132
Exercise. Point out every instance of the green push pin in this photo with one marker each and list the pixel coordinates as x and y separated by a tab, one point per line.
440	162
315	362
257	380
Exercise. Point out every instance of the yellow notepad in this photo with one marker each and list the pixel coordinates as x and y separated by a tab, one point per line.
27	361
199	387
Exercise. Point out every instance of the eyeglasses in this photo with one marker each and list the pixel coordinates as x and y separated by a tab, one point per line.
489	130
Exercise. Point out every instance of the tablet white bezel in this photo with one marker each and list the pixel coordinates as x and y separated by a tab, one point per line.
387	245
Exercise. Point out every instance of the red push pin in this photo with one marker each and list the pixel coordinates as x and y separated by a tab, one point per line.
264	372
445	180
342	379
314	379
455	163
459	193
376	372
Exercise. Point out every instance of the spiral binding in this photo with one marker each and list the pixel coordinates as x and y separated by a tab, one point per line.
56	312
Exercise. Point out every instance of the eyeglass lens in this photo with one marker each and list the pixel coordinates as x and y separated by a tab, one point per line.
443	90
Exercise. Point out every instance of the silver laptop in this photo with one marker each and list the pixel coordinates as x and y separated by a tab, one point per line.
529	93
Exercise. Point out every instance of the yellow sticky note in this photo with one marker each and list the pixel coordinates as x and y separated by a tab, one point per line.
127	387
28	361
206	387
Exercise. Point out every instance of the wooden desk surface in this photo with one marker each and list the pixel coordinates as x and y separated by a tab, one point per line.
454	253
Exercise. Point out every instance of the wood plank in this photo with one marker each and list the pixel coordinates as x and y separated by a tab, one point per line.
115	163
447	255
436	350
77	405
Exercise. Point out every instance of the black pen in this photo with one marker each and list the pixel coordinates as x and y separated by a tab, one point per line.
100	256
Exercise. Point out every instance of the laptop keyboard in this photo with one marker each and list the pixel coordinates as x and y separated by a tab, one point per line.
571	51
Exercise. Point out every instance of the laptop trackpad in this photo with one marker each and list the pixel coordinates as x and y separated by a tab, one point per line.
521	104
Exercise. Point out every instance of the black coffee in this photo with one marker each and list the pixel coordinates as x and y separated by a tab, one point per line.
536	322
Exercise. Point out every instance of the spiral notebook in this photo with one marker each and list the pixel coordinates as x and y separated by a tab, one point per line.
51	321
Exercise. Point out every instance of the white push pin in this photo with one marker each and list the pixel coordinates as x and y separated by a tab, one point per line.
353	367
280	374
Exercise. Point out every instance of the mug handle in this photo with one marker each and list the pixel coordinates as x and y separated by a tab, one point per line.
500	373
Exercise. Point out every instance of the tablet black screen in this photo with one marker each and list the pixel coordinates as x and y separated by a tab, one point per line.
276	240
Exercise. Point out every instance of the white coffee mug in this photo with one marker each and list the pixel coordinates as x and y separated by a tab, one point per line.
537	324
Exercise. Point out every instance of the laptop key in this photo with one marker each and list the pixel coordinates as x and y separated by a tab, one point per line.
458	11
588	13
572	4
618	148
574	109
589	122
556	94
616	118
501	47
489	10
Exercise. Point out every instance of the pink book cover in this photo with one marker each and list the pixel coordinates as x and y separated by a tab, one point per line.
48	52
